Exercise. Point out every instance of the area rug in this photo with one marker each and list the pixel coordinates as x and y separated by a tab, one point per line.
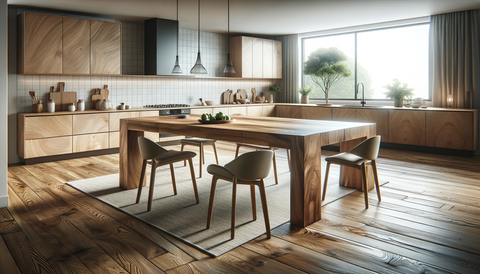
180	216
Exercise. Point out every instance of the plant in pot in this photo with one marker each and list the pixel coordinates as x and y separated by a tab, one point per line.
304	91
326	67
398	92
274	88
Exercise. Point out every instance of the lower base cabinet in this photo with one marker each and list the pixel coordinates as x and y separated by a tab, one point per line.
47	147
89	142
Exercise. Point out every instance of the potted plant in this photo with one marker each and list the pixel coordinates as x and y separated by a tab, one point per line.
325	66
398	92
274	88
304	91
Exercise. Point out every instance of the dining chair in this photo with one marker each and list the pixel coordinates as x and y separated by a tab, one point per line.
156	155
258	147
359	157
200	143
248	169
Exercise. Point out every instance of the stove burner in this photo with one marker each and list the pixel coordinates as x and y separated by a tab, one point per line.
167	106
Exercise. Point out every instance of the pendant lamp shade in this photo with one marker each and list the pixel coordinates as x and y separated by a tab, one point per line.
177	68
229	66
198	68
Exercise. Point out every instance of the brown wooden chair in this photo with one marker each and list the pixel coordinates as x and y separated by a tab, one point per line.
156	155
199	143
257	147
359	157
248	169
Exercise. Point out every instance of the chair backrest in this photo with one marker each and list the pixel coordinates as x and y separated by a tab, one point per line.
149	149
368	149
252	165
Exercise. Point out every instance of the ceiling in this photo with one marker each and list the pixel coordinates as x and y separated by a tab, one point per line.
267	17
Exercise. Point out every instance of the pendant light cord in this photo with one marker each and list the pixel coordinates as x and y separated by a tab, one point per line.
198	25
178	28
228	32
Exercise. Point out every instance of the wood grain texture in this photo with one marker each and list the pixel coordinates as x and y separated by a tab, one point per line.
267	58
114	139
277	59
130	160
6	260
48	147
89	142
49	126
41	50
90	123
343	114
316	113
255	111
21	135
237	111
114	119
257	58
268	111
76	46
450	130
380	117
406	127
105	47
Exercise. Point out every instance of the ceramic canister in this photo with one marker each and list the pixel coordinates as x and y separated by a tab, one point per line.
51	105
81	105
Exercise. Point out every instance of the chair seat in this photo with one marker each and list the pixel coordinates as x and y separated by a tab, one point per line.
196	141
220	171
346	158
173	155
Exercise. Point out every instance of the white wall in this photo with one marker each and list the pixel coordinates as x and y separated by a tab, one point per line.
3	104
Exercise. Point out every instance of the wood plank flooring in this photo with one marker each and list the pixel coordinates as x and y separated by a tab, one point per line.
427	222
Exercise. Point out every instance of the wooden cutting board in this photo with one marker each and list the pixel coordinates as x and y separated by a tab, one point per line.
63	99
226	97
100	94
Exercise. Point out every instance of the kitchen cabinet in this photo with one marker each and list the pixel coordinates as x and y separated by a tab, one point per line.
46	147
406	127
89	142
451	130
343	114
105	47
255	111
76	46
90	123
380	117
277	59
257	58
267	58
39	43
46	127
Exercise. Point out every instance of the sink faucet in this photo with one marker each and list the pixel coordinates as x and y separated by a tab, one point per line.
363	93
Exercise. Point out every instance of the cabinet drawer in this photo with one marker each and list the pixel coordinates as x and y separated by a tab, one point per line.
45	127
89	142
115	119
448	129
90	123
237	111
406	127
114	138
148	113
48	147
200	110
255	111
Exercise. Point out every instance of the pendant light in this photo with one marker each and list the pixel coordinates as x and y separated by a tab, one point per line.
198	68
176	68
229	66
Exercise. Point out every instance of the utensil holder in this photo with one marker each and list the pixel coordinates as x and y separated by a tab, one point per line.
36	108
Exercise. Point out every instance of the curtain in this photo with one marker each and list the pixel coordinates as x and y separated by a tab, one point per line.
290	71
454	59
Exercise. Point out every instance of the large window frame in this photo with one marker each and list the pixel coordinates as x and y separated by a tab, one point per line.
355	33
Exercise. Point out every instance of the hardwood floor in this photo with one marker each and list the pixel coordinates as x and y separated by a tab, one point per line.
427	222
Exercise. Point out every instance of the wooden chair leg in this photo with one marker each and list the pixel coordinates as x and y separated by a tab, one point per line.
326	181
174	183
288	158
194	181
236	153
200	160
254	202
275	167
184	161
263	195
375	176
234	207
215	151
203	152
152	184
212	199
365	186
140	184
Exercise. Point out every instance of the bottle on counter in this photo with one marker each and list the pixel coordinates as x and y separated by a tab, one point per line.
81	105
71	107
51	105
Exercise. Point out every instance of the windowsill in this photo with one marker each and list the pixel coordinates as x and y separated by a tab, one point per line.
357	102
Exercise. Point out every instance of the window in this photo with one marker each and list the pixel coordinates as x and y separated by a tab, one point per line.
376	58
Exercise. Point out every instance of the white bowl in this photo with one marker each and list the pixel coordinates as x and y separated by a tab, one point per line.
209	103
415	105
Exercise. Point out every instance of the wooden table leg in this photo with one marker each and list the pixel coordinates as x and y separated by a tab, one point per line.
305	180
351	177
130	159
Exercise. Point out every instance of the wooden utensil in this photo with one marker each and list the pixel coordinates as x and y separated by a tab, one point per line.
63	99
105	92
33	95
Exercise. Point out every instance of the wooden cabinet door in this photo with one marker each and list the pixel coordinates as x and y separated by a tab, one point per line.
277	59
47	126
380	117
76	46
90	123
40	43
237	111
406	127
48	147
257	58
267	58
268	111
316	113
105	47
114	119
89	142
343	114
241	54
255	111
448	129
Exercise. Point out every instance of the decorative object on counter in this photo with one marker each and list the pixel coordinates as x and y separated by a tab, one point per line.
62	99
450	101
34	96
227	97
81	105
304	91
326	67
418	102
209	103
201	102
198	68
38	107
274	88
177	68
219	118
51	106
243	101
257	99
105	105
241	94
229	66
71	107
99	95
121	106
127	107
398	92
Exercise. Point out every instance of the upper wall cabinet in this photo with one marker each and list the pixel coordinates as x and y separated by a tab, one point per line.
50	44
40	43
255	57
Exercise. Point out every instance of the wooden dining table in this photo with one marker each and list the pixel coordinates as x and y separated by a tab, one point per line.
304	138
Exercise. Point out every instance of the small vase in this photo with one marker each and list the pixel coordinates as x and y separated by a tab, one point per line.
398	104
304	99
270	98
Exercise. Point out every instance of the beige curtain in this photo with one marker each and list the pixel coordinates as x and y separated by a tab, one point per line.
454	59
290	69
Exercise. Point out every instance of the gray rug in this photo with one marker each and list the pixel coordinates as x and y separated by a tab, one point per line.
180	216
